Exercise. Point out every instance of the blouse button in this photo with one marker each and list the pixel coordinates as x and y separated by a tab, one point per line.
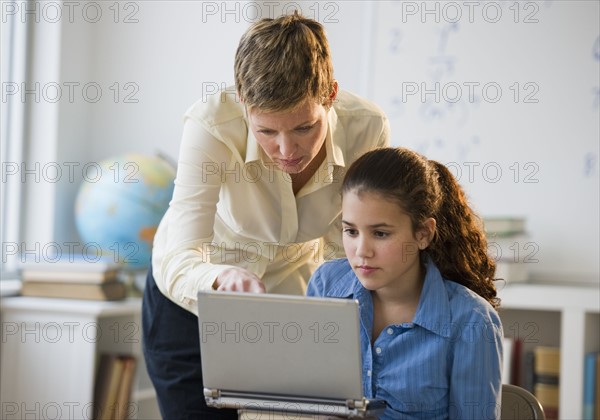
390	331
378	350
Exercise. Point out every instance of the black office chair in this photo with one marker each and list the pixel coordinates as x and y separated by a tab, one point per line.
520	404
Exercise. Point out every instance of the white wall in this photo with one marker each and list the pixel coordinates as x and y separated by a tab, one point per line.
516	116
153	59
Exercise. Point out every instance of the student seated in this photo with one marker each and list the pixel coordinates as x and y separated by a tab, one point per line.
417	262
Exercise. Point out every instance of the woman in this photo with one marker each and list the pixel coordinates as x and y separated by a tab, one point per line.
256	205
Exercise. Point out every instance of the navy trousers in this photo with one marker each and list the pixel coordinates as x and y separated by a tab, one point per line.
171	346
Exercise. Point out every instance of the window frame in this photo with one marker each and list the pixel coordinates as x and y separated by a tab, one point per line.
14	50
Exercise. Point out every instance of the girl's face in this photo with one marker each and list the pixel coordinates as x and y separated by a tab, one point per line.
379	242
291	139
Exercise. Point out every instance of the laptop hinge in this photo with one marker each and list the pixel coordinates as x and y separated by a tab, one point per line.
212	393
354	404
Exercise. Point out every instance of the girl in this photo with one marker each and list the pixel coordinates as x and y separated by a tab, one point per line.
417	263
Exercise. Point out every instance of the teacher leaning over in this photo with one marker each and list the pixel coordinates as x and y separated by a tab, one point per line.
257	203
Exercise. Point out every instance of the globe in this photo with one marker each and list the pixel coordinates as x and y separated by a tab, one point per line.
119	206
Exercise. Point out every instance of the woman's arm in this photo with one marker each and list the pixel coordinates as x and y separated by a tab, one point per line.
183	244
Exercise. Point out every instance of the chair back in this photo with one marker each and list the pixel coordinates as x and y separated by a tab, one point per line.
520	404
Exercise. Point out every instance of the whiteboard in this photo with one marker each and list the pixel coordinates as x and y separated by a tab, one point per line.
507	95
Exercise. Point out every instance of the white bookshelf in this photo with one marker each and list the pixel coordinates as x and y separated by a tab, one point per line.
49	350
49	347
565	316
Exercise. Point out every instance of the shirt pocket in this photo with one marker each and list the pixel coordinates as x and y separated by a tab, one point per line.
416	379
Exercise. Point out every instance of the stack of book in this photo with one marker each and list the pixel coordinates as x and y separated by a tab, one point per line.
508	244
542	370
74	279
113	385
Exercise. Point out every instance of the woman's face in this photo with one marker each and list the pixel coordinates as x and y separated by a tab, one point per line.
291	139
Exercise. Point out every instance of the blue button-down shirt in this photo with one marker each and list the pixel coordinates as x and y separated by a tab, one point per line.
445	364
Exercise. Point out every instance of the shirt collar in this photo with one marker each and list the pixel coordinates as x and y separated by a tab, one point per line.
433	312
335	140
253	149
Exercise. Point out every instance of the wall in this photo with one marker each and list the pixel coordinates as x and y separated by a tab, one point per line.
523	140
507	95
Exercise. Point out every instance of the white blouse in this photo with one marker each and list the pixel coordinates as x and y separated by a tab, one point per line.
232	206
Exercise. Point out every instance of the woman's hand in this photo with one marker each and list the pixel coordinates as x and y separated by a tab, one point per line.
237	279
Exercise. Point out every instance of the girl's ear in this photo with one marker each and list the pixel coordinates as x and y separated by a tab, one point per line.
426	233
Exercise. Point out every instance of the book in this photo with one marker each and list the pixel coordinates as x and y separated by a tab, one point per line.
67	263
509	245
589	385
512	272
106	387
113	290
122	406
546	385
517	356
597	397
507	359
70	269
503	226
548	396
94	277
529	371
513	248
547	360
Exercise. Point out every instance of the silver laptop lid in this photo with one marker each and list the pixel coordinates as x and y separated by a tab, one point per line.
280	345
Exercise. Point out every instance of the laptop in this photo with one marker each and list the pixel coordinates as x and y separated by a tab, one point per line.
282	354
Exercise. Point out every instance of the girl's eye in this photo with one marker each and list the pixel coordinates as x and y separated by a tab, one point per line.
304	128
379	234
349	231
266	132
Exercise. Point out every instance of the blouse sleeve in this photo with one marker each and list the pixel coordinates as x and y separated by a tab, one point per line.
184	242
476	377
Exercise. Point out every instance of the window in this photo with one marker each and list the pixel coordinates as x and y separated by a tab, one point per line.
13	111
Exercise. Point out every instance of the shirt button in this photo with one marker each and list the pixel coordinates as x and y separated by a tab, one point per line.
368	373
378	350
390	331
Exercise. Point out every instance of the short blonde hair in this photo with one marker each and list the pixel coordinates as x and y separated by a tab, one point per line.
281	62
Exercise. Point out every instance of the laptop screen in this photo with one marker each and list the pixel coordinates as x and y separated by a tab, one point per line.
280	345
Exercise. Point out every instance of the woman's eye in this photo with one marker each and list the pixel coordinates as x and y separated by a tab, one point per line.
304	128
379	234
349	232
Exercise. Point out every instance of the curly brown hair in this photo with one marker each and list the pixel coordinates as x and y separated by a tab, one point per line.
423	189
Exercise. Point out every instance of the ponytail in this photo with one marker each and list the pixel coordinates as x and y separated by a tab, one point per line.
459	248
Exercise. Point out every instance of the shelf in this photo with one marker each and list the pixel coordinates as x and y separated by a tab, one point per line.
567	316
63	338
549	297
96	308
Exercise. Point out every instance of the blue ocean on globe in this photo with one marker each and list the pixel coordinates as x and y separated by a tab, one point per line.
120	205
